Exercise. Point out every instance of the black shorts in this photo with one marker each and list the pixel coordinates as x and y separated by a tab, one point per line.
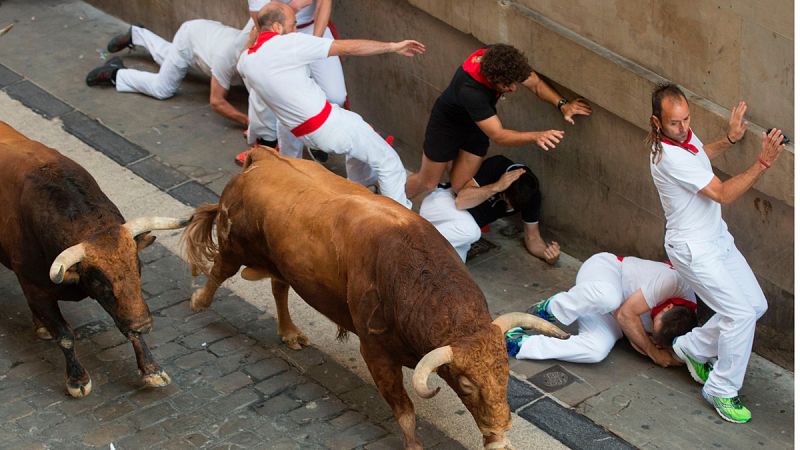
443	138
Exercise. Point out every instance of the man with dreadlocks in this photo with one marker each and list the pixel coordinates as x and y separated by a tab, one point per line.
464	118
701	248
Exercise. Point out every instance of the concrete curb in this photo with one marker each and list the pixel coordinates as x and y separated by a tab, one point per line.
563	423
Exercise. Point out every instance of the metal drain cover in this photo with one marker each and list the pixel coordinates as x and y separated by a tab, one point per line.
552	379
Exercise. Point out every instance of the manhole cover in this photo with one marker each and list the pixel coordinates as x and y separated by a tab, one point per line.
552	379
479	248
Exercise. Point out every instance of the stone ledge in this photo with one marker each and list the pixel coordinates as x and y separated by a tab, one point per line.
606	78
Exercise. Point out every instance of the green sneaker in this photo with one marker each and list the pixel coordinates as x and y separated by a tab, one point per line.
540	310
730	409
699	371
514	339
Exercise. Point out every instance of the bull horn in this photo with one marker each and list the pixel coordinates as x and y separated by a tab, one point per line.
6	28
426	365
529	322
66	259
144	224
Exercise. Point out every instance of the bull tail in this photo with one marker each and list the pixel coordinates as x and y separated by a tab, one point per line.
198	241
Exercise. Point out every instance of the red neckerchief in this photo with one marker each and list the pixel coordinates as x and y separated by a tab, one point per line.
677	301
472	66
264	36
684	145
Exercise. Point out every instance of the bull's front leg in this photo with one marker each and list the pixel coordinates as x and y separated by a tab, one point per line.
287	330
388	376
223	269
77	379
41	330
152	374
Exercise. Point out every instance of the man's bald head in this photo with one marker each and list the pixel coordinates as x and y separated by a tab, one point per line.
277	13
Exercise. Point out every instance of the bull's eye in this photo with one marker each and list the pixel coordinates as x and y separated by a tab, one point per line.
467	386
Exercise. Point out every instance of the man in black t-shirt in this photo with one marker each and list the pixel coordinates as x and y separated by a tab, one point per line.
464	118
499	189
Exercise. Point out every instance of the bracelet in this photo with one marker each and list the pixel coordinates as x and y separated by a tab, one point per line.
729	140
764	163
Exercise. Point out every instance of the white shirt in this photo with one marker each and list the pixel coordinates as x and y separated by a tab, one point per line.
278	72
304	16
658	281
215	49
679	177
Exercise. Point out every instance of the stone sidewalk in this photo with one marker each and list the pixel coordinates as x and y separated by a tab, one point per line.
185	150
233	383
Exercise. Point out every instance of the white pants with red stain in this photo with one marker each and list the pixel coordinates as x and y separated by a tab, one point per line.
328	74
369	159
596	294
174	59
718	272
456	225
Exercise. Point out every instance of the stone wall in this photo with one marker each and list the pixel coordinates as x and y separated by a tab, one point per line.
598	194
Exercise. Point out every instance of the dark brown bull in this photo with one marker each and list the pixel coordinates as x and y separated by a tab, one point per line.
65	240
371	266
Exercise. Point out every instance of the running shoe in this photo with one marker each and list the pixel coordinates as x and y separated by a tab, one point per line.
699	371
730	409
514	339
540	310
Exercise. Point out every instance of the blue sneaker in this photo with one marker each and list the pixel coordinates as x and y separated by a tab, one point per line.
540	310
514	339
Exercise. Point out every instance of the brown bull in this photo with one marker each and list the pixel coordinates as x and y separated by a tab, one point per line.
65	240
371	266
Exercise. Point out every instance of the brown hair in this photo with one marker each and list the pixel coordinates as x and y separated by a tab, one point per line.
653	139
675	322
504	64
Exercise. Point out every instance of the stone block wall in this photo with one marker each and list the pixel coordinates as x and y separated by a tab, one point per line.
598	194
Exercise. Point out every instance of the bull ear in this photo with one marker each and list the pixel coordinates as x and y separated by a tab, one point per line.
143	241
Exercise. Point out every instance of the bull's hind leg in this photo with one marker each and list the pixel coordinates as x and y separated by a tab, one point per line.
287	330
77	379
223	268
388	376
41	330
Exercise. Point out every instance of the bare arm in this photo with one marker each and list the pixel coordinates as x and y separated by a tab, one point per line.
364	47
221	106
322	16
547	94
537	247
628	317
737	127
493	128
728	191
472	195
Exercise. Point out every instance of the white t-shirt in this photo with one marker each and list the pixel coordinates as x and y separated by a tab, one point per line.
658	281
679	176
215	49
278	72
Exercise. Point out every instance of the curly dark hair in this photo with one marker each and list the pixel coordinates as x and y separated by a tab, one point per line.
504	64
676	322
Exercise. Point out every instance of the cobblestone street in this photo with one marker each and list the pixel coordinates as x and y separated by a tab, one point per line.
234	384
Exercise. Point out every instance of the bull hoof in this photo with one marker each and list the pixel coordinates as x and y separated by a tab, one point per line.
156	380
43	334
296	340
199	302
78	389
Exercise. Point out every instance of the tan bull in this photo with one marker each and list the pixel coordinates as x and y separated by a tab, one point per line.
371	266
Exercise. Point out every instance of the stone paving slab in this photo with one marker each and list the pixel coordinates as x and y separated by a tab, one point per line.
37	99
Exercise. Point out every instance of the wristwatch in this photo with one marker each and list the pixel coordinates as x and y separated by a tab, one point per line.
561	103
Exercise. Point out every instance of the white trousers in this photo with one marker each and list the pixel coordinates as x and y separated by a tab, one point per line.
328	74
596	294
262	122
718	272
174	58
369	159
456	225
